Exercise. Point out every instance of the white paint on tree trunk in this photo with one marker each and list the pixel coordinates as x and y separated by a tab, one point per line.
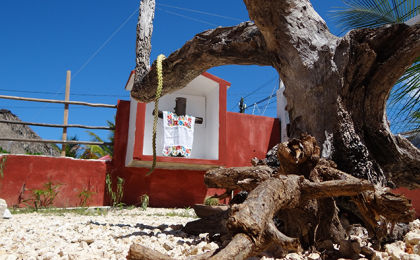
282	114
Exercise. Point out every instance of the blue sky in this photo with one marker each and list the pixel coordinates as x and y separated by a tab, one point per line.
41	40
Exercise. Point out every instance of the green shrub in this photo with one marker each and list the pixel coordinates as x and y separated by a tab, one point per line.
3	151
44	197
85	196
210	201
144	199
115	197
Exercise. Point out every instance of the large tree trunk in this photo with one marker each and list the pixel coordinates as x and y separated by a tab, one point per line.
343	82
336	90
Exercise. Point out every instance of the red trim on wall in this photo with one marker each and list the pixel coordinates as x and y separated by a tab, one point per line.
217	79
139	133
132	74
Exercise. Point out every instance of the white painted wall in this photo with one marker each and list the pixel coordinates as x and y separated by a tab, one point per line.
131	131
413	20
213	124
202	96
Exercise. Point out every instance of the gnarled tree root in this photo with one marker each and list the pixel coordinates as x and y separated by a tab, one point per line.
303	200
252	221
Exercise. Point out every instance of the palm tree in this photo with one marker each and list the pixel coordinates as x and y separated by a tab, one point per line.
72	150
97	151
405	96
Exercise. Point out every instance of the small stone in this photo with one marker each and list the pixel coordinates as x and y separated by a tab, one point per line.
294	256
314	256
204	236
3	206
356	247
83	245
193	251
377	256
410	257
48	256
412	238
207	247
168	246
367	251
11	257
88	240
396	250
161	236
346	248
7	214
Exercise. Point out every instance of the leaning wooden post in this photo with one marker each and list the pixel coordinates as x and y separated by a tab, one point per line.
66	113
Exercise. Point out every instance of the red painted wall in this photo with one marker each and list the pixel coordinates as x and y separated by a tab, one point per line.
247	137
182	188
250	136
414	195
35	171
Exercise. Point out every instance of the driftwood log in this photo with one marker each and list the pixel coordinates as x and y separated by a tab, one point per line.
301	195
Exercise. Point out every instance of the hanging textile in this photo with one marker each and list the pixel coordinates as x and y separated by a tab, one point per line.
178	134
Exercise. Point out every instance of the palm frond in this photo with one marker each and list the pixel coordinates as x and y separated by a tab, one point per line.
373	13
407	89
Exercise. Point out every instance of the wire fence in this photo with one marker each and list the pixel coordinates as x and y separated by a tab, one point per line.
64	126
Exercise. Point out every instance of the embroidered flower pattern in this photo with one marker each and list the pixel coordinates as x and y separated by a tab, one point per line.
176	151
174	120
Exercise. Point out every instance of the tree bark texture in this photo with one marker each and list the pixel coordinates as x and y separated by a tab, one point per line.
336	88
144	37
304	204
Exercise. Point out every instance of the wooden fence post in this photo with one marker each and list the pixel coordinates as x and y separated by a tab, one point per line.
66	113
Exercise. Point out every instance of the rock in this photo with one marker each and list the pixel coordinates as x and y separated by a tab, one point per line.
3	207
314	256
294	256
48	256
358	230
168	246
410	257
161	236
414	225
396	250
204	236
379	255
367	251
346	248
412	238
88	240
271	158
7	214
356	247
193	251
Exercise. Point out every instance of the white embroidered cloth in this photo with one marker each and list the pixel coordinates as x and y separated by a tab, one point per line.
178	134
